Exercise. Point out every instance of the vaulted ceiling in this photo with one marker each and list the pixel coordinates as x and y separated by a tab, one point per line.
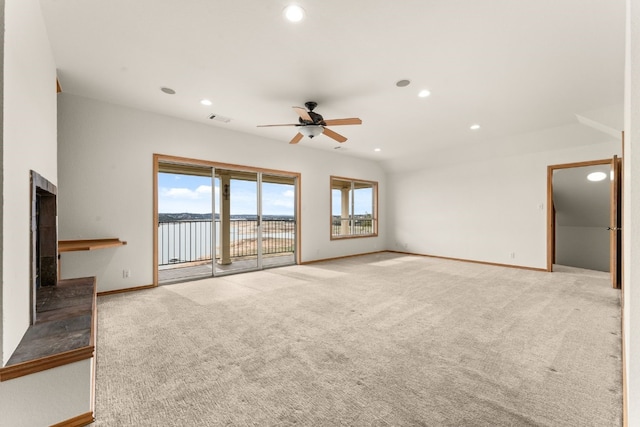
513	67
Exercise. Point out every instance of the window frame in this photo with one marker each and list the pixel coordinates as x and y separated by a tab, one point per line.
374	206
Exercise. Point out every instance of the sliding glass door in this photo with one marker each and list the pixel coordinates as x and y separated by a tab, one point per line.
255	221
237	222
184	227
278	220
213	221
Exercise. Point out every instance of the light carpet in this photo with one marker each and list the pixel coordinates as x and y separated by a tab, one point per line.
376	340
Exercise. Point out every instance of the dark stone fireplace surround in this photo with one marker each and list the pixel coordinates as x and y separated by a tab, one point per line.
44	237
63	312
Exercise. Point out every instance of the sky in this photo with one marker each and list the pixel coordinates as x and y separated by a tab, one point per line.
192	194
363	203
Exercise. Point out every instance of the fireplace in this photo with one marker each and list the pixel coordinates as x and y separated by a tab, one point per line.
44	237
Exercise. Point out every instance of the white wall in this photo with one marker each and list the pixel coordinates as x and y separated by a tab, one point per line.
583	247
483	210
106	184
62	393
29	142
631	229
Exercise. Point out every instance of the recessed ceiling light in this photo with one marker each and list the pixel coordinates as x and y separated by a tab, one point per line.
474	127
168	90
596	176
424	93
377	150
403	83
206	102
294	13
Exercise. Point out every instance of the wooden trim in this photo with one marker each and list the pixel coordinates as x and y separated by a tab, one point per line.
355	236
217	165
58	87
88	244
374	214
154	225
162	158
37	365
581	164
125	290
79	421
93	339
298	210
495	264
550	207
614	233
519	267
551	229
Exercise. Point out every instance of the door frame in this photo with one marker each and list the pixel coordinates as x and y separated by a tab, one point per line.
615	205
186	161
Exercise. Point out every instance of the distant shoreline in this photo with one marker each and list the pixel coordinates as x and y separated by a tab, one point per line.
185	216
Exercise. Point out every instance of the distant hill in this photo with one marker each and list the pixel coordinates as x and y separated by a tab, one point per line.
170	217
186	216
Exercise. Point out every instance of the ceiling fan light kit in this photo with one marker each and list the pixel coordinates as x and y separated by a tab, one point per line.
311	130
312	124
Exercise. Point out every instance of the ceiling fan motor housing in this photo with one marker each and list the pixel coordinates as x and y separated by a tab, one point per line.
316	119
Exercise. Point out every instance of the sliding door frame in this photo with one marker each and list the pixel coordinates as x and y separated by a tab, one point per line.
185	161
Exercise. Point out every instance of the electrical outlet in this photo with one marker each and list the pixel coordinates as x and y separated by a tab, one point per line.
126	273
512	255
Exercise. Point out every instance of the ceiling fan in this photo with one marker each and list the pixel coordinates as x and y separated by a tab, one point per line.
312	124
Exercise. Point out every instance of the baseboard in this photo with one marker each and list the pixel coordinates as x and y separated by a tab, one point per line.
79	421
340	257
495	264
124	290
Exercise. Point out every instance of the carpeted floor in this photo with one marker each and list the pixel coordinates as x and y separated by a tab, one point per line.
376	340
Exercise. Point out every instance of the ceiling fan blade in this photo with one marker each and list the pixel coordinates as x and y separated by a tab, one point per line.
287	124
334	135
339	122
296	138
303	113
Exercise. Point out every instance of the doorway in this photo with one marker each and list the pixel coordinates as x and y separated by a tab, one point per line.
223	219
584	217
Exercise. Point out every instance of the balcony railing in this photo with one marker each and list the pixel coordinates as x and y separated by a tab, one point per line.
349	226
182	242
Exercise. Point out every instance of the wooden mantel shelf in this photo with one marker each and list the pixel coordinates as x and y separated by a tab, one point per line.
88	244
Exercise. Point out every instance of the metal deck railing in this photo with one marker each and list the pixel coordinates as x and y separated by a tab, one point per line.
188	241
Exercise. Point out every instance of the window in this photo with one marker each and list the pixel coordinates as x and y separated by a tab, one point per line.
354	206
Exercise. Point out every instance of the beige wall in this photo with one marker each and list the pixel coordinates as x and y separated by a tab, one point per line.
106	184
483	210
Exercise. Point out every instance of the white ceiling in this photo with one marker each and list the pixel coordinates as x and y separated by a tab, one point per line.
512	66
